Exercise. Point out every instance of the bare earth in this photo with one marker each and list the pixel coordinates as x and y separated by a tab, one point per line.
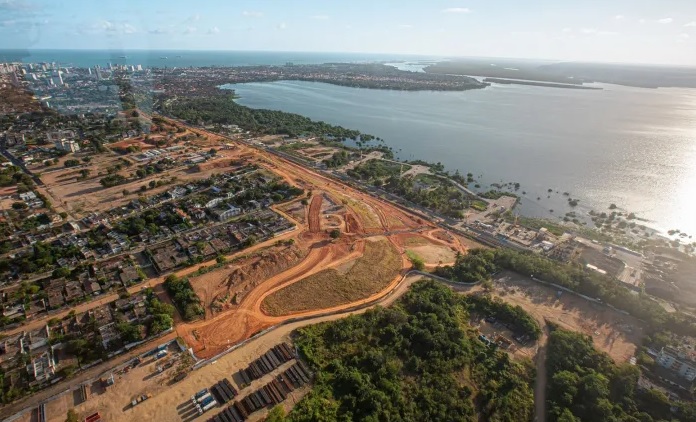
614	333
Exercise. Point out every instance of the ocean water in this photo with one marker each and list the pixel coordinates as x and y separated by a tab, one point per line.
629	146
187	58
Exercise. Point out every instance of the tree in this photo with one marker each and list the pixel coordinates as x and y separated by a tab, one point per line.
19	205
335	233
72	416
160	322
63	215
277	414
417	261
61	272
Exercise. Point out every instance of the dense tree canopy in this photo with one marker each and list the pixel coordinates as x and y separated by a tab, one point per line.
222	109
184	297
585	384
415	361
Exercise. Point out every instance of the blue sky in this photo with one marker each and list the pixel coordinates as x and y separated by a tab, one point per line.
640	31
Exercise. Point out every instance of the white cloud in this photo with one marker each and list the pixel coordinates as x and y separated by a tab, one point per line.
106	26
589	30
193	18
9	22
16	5
190	30
456	10
690	24
110	27
252	14
405	26
684	36
214	30
566	30
158	31
320	17
619	17
665	20
281	26
641	21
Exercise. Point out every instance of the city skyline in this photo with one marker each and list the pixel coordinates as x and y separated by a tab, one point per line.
614	31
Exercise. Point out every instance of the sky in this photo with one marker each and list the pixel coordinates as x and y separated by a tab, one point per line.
634	31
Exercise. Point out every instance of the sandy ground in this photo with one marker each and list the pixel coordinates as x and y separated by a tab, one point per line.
171	403
613	333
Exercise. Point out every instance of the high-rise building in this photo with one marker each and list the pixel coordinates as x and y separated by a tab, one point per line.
57	78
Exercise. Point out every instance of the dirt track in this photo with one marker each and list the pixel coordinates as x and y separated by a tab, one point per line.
314	219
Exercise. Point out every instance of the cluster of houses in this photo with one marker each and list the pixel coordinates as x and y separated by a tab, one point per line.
219	239
26	357
34	357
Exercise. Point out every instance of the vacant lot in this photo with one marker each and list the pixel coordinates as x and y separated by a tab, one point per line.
336	286
296	210
613	332
432	252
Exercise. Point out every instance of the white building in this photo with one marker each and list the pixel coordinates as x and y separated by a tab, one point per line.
214	203
678	362
67	145
42	367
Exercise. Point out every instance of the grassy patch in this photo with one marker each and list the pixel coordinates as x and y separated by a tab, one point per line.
429	180
415	241
371	273
479	205
377	170
366	215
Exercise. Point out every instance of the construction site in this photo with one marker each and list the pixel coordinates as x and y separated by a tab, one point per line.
350	245
347	251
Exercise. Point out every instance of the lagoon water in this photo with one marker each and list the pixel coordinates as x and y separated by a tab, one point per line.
630	146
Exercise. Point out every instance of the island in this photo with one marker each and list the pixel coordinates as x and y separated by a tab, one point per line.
534	83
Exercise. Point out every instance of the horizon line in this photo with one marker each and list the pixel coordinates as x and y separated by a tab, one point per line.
441	57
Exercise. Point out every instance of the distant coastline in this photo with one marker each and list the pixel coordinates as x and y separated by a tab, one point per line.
534	83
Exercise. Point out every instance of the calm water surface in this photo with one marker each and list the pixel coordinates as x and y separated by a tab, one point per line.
629	146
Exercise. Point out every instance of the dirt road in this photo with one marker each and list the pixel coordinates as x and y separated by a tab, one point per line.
540	380
314	218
